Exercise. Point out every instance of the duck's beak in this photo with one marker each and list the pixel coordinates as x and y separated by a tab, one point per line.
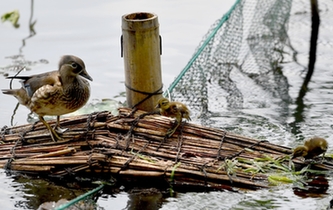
85	74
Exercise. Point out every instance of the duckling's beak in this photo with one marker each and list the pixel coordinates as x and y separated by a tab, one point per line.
85	74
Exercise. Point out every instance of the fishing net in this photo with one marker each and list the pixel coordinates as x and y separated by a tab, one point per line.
241	61
84	201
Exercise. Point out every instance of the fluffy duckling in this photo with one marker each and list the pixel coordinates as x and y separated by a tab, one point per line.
311	148
56	92
175	110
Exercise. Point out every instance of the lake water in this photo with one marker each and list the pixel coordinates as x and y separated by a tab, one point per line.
91	30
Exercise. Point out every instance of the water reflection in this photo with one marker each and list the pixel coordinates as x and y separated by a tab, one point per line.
316	186
32	23
29	192
19	62
299	117
149	199
32	193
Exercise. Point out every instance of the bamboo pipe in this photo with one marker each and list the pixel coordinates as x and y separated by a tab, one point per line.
141	52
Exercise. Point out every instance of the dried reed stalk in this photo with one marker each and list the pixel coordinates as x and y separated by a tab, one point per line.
135	146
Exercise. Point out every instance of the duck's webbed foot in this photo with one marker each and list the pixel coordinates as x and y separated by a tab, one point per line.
54	135
173	129
59	129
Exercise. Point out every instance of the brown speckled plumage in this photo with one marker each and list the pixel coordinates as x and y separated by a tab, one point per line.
55	93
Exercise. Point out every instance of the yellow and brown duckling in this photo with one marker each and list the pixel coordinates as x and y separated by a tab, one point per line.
311	148
56	92
175	110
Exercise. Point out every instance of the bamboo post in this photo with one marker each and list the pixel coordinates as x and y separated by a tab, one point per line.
141	52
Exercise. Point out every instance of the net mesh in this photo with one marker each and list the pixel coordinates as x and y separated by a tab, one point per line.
237	65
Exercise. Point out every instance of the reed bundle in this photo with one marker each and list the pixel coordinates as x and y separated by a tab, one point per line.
133	145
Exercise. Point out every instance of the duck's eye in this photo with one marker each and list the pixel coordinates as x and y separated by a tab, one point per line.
74	65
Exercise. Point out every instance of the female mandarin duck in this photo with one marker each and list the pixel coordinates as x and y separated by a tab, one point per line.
311	148
175	110
55	93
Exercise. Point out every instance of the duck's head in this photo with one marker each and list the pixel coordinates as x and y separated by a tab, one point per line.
72	66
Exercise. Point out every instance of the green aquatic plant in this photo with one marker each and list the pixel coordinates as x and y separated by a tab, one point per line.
174	170
276	179
172	176
265	164
279	170
12	17
143	157
230	166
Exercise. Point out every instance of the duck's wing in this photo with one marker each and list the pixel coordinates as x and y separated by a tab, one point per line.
173	108
183	110
32	83
175	111
19	77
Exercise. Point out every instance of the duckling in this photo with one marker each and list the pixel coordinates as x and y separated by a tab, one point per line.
56	92
175	110
311	148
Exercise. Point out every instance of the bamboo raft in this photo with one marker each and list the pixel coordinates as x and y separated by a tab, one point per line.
130	146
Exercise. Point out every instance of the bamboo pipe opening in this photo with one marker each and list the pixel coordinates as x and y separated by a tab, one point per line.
139	16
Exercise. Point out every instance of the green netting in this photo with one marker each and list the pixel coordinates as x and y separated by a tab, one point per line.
243	49
86	201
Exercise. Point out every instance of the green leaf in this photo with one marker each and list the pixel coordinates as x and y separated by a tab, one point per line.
12	17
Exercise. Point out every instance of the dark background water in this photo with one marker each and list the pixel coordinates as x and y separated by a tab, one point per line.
92	29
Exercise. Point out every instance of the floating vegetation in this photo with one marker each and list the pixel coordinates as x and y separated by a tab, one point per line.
19	63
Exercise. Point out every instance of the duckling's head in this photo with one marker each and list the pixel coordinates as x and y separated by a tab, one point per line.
300	151
163	103
72	66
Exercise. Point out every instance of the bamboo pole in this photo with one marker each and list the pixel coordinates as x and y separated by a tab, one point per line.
141	51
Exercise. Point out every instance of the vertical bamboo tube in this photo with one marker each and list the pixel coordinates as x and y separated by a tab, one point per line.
141	51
